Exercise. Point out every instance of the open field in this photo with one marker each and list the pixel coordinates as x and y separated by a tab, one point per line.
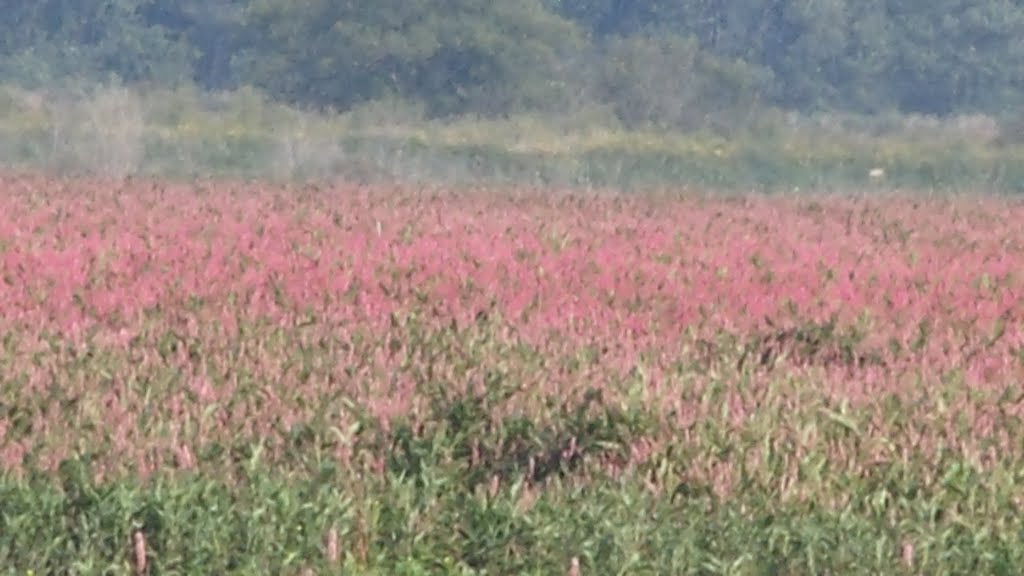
222	378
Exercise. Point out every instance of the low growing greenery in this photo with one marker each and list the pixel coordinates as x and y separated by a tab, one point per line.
186	134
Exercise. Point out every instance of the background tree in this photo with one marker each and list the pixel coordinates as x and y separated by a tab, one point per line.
45	41
215	28
665	62
470	56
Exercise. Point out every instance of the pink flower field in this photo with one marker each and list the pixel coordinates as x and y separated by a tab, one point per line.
154	325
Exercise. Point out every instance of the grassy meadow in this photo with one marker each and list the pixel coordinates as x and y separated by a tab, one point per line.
183	134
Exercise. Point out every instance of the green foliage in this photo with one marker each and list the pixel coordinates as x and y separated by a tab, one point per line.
54	41
214	28
487	474
684	64
435	507
185	133
465	56
914	56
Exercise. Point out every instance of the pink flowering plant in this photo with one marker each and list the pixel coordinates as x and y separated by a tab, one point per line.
438	379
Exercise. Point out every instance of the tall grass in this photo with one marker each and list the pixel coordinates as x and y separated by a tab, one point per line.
181	134
241	379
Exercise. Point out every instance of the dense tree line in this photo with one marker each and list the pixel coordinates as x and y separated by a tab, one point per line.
681	63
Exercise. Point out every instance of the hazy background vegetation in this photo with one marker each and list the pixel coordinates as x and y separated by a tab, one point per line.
736	93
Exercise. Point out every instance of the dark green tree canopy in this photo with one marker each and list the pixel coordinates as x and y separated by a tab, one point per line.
455	55
668	61
44	41
937	57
